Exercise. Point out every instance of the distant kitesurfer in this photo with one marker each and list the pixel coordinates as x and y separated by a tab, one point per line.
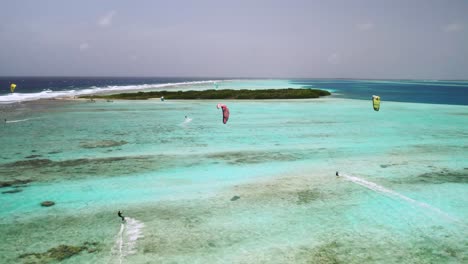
120	215
337	174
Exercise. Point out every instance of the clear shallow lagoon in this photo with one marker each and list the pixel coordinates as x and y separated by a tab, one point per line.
175	181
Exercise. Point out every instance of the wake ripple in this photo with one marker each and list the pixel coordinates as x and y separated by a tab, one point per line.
380	189
17	121
125	243
186	121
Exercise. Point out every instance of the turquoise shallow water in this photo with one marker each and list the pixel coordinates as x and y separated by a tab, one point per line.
175	180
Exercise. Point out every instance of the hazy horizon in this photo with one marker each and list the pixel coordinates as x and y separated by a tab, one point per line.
265	39
224	77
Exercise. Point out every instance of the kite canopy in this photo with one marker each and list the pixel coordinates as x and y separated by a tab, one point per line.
12	87
225	112
376	102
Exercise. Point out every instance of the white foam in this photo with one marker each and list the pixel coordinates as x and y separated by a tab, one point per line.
125	243
119	242
48	94
388	192
19	97
19	120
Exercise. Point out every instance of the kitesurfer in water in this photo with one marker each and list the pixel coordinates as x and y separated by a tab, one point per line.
120	215
337	174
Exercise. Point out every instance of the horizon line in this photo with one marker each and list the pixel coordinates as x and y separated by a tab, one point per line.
222	78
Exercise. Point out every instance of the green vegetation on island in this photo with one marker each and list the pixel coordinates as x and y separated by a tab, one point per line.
288	93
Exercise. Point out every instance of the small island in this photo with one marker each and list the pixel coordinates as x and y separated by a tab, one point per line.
288	93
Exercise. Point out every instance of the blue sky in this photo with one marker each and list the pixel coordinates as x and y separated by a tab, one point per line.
420	39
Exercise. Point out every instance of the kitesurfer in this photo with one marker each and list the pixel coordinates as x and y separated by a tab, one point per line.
337	174
121	216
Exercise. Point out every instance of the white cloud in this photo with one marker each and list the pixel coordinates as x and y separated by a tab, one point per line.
84	46
106	20
454	27
365	26
334	58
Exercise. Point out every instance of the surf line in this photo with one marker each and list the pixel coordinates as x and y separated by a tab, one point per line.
130	231
378	188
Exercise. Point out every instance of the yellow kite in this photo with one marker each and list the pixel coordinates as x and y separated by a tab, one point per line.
12	87
376	102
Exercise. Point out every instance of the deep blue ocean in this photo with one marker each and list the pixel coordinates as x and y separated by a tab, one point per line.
416	91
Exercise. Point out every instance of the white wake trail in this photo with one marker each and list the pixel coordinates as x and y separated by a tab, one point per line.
388	192
120	241
186	122
17	121
125	243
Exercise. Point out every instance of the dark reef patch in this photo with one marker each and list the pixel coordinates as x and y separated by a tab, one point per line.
32	156
346	251
253	157
59	253
443	176
50	170
323	254
13	191
235	197
13	183
307	196
35	167
103	144
29	163
47	203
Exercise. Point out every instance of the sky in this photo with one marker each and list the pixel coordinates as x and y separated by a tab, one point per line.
399	39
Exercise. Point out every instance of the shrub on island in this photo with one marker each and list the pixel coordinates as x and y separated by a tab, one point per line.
244	94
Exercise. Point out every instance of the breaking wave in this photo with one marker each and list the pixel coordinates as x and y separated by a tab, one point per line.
49	94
